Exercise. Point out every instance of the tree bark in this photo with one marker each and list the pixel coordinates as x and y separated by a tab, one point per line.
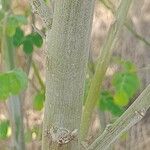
67	52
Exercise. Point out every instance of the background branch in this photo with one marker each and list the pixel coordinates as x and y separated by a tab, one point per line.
131	116
108	4
39	7
14	102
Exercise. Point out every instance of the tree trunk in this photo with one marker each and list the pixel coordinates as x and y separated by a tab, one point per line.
67	53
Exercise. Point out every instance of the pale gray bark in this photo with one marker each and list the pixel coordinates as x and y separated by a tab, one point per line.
131	116
67	53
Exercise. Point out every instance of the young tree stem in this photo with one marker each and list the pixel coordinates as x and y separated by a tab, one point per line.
103	62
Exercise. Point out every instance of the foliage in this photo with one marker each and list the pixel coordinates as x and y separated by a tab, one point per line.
13	22
28	41
106	103
12	83
15	81
125	84
4	125
39	99
13	30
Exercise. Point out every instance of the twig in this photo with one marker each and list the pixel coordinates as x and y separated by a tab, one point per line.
38	76
108	4
129	118
39	7
138	36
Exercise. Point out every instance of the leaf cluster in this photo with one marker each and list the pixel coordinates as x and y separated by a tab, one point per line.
125	84
28	41
12	83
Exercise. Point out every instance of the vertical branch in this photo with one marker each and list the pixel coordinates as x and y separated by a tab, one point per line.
14	102
67	53
37	74
103	62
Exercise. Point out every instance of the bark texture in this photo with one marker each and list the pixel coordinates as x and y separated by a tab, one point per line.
67	53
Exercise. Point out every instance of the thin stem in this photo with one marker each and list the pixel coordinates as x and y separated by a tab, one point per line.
103	62
138	36
29	57
129	118
37	74
34	86
103	121
108	4
101	114
39	7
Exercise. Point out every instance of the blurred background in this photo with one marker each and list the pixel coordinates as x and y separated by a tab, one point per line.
22	46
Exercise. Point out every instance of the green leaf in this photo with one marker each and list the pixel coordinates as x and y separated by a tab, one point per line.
22	78
4	125
39	99
27	46
128	66
27	41
106	103
11	26
121	98
127	82
13	22
36	39
18	37
12	83
4	86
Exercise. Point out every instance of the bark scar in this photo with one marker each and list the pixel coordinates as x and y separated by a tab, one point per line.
61	136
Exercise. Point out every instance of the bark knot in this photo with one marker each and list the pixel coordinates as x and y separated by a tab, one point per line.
62	136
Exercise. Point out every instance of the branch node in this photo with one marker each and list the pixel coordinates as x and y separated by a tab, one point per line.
140	113
108	128
61	136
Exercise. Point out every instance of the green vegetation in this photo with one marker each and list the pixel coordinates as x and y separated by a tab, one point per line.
67	34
